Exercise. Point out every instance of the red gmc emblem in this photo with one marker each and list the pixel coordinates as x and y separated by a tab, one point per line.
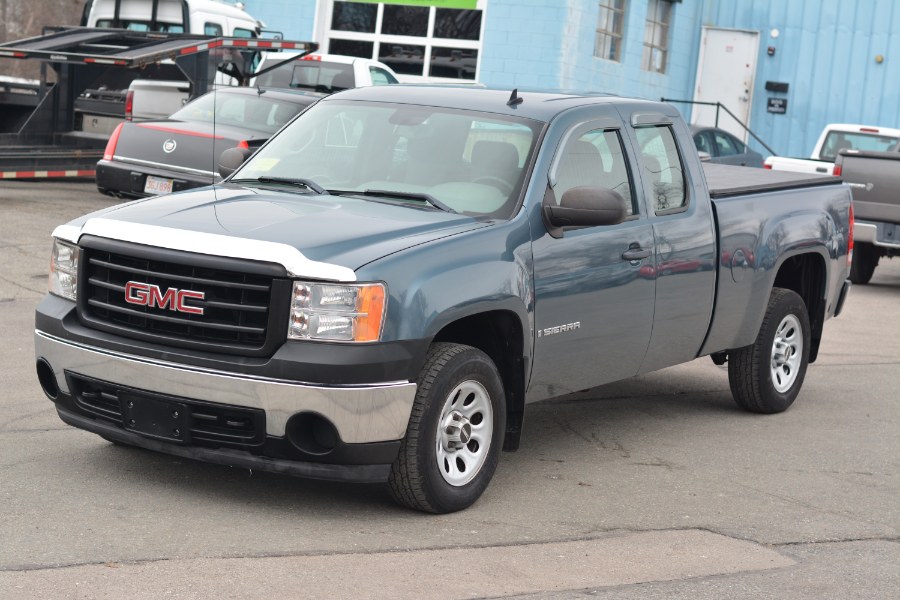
147	294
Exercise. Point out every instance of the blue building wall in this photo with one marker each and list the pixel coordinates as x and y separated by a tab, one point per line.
550	44
294	18
826	52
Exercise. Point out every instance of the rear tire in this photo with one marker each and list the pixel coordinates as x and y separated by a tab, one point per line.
455	432
865	259
766	376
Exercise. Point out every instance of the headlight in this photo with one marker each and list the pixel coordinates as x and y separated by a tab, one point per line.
337	312
63	269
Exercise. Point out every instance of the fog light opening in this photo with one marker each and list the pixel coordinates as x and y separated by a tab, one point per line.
312	433
47	379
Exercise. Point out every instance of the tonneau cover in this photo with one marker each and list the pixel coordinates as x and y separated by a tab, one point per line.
726	180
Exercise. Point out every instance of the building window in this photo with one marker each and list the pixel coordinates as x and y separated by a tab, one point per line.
610	24
656	36
415	41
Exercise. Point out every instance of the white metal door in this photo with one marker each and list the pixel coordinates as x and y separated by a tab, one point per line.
725	73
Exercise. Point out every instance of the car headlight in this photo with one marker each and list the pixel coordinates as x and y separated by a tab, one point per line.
337	312
63	269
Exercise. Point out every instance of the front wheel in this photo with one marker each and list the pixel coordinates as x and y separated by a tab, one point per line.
455	432
766	376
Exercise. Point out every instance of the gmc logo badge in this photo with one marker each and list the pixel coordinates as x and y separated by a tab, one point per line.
147	294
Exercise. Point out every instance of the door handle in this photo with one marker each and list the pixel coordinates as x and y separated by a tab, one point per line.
635	254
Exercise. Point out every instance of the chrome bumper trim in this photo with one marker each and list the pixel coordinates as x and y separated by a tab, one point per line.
866	232
361	414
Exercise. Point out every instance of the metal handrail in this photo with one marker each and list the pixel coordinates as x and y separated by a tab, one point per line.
718	106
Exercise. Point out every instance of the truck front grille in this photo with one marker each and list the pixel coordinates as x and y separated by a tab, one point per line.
238	309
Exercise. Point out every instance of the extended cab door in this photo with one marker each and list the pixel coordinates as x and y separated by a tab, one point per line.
680	213
593	301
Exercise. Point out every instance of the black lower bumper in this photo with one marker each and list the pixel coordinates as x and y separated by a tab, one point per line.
127	179
370	473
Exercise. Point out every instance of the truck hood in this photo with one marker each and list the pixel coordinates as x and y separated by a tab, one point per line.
326	236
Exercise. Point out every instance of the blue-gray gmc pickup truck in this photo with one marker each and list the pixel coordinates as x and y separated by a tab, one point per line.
377	293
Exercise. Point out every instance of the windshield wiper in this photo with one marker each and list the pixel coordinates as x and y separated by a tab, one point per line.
411	196
297	181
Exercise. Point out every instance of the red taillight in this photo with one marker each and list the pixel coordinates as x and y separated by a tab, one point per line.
767	166
243	144
129	105
111	144
312	57
850	237
868	130
837	170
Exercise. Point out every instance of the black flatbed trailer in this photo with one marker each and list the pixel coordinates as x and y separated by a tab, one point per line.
42	127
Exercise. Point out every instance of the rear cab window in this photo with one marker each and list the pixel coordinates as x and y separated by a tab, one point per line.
836	141
310	75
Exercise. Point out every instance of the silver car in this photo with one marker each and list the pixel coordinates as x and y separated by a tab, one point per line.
724	148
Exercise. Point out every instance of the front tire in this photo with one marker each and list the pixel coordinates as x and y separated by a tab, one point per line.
766	376
455	432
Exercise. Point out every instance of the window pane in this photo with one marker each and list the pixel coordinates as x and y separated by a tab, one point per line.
405	59
405	20
455	63
212	29
381	77
353	16
243	33
351	48
457	24
725	145
595	159
663	177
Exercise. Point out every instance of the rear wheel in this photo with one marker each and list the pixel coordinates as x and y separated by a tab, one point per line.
455	432
865	259
766	376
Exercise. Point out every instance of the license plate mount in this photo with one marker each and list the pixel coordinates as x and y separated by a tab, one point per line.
155	418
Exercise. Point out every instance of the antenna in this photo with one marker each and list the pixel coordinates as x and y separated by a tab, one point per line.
514	98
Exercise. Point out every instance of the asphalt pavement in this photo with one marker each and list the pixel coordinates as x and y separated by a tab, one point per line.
655	487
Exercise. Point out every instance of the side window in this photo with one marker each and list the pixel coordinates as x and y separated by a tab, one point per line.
243	33
663	174
212	29
701	140
381	77
595	159
725	145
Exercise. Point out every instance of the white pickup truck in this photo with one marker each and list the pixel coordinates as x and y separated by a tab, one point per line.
327	73
834	138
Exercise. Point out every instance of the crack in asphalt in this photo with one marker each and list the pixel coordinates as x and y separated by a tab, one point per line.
602	535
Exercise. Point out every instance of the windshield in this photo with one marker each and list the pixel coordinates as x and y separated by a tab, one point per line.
472	162
320	76
248	111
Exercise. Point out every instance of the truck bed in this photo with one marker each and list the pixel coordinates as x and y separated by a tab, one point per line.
726	180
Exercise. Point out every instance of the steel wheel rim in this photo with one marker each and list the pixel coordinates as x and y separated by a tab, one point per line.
465	429
787	353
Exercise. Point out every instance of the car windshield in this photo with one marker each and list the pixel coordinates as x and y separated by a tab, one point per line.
251	111
474	163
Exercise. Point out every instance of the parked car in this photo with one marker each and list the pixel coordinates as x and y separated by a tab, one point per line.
341	309
724	148
157	157
325	73
834	138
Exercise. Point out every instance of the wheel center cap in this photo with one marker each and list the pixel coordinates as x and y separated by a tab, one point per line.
457	431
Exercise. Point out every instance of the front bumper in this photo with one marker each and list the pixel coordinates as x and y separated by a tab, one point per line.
368	419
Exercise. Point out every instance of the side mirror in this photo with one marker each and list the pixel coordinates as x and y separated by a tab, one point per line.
585	206
704	156
231	159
